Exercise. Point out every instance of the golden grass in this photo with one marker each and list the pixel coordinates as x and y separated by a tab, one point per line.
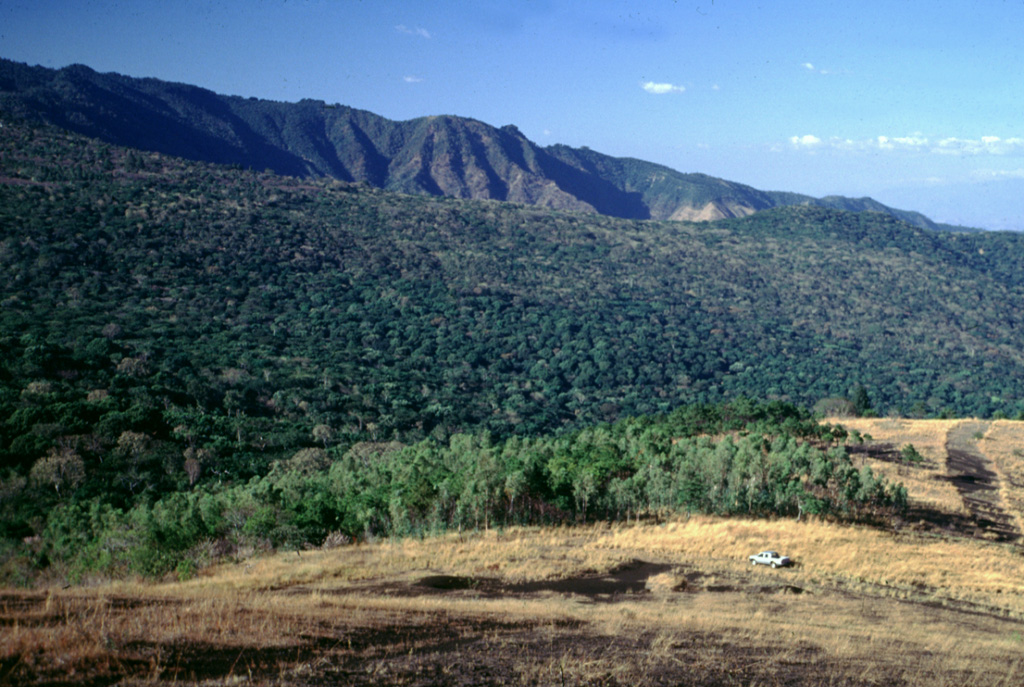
877	606
1003	444
827	554
860	614
516	555
87	633
908	566
923	483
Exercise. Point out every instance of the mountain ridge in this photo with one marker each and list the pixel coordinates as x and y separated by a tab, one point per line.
445	155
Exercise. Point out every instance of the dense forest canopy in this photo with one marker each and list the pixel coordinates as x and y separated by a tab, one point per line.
170	326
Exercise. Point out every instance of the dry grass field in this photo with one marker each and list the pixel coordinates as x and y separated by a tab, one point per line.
1003	444
972	476
935	602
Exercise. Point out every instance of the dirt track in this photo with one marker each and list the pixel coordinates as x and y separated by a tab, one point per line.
978	484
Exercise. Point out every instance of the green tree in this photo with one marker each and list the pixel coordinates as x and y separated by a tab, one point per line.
861	402
62	469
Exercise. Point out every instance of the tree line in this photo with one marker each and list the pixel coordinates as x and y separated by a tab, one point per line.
742	458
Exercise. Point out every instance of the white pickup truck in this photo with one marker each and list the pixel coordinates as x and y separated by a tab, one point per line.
771	558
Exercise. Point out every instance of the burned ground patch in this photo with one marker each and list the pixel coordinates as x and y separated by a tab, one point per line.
978	484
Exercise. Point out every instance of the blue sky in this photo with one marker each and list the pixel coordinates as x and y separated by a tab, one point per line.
917	103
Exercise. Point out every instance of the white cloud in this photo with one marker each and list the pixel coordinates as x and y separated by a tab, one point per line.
985	145
811	68
661	88
992	174
807	141
411	79
918	143
913	141
418	31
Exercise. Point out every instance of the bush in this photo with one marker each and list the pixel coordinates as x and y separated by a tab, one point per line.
910	454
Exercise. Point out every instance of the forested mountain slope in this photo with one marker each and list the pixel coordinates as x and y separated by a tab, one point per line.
443	155
141	287
191	352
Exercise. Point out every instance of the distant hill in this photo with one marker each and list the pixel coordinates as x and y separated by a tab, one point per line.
437	155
